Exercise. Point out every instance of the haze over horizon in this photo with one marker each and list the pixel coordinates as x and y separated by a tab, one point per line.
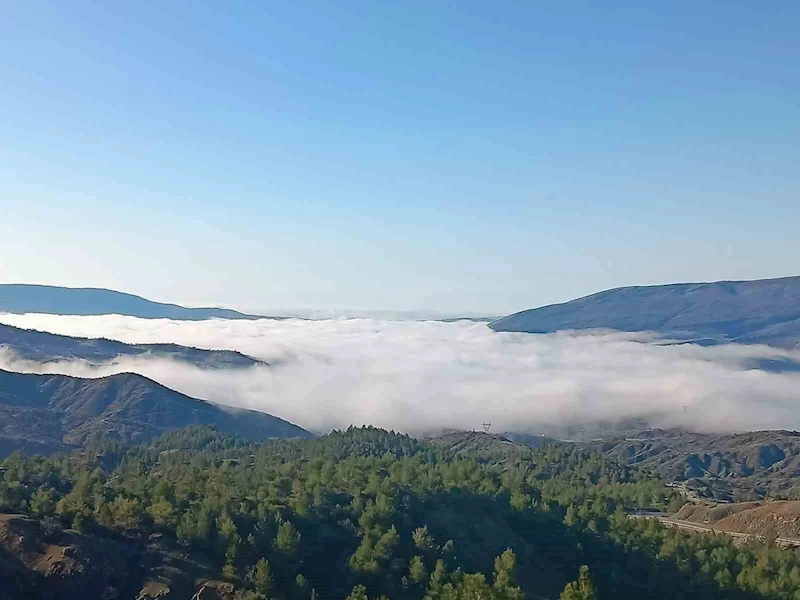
479	159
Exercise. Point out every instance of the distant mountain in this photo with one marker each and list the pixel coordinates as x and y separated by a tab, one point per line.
765	311
46	413
45	347
47	299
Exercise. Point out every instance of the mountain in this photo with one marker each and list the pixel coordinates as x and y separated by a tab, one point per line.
45	347
46	413
53	300
765	311
743	466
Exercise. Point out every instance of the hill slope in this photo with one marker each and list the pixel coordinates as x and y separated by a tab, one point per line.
780	518
41	413
41	346
488	448
47	299
763	311
744	466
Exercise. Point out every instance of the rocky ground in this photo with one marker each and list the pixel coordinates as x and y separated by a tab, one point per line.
41	561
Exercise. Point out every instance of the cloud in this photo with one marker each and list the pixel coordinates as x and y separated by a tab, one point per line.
423	376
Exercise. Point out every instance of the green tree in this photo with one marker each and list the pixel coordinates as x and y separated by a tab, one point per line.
385	545
359	593
225	526
162	513
505	578
571	517
422	539
262	577
582	589
301	586
473	586
363	559
416	570
126	512
43	501
437	582
287	539
230	556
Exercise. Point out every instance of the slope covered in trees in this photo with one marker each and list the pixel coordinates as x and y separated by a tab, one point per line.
358	514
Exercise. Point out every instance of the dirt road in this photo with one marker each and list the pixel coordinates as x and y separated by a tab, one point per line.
671	522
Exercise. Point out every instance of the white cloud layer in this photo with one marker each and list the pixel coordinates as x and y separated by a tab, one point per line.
422	376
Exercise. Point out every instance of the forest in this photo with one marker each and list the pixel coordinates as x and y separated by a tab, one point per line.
366	514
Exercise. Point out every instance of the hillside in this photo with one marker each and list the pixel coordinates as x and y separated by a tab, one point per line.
764	311
45	413
780	518
746	466
489	448
40	346
47	299
356	515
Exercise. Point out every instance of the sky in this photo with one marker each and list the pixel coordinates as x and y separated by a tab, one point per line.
463	157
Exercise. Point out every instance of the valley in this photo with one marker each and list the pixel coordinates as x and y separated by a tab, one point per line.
399	301
198	499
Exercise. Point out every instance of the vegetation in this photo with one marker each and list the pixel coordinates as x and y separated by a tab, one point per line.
368	514
728	467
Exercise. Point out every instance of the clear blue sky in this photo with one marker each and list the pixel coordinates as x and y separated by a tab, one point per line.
477	157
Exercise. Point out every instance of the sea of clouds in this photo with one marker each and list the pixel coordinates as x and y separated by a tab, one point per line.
423	376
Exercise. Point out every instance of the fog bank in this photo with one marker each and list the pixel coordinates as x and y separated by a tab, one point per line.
422	376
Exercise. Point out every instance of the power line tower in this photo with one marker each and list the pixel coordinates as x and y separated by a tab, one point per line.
486	427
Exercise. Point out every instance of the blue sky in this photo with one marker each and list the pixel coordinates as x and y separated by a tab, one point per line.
467	157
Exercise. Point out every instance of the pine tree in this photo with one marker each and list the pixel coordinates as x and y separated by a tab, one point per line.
437	582
359	593
582	589
384	547
230	556
571	517
287	539
416	570
43	501
505	575
262	577
162	513
422	539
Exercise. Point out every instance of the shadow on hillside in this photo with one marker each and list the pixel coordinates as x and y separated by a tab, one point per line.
550	553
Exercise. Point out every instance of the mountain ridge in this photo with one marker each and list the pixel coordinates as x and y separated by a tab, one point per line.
59	412
20	298
765	311
44	347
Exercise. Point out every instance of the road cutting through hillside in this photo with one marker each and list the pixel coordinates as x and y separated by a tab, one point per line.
688	525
